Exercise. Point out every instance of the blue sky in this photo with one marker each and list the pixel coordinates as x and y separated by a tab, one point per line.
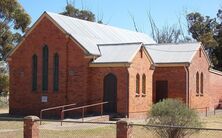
117	12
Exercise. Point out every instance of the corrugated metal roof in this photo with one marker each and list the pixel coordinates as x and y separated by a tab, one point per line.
172	53
117	53
89	34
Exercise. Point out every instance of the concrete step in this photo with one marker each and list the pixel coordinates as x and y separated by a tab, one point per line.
116	117
97	118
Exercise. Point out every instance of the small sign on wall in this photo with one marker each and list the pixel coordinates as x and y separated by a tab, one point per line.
44	99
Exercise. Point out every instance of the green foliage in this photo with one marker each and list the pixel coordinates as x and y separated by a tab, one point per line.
4	84
3	101
12	17
81	14
208	31
174	113
87	15
202	28
4	79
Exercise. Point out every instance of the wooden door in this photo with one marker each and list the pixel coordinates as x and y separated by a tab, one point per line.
161	90
110	93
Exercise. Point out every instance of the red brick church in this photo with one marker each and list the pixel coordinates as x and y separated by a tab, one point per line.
64	60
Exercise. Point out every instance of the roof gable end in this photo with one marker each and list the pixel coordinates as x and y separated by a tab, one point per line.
181	53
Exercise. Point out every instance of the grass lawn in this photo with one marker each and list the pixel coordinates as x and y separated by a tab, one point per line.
141	132
213	121
11	129
14	129
11	125
101	132
12	134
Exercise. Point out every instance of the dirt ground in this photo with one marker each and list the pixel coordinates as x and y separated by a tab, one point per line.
4	110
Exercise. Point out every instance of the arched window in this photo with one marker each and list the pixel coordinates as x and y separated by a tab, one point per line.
197	83
137	84
144	84
34	72
56	72
45	68
201	83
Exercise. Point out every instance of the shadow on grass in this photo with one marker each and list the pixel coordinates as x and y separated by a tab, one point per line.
5	116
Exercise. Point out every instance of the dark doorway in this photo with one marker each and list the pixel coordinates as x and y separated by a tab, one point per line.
161	90
110	92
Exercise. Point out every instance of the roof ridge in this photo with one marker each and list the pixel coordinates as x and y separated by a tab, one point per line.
90	35
112	44
168	44
96	23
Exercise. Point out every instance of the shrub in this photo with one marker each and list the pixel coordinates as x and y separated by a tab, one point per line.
3	104
4	83
173	113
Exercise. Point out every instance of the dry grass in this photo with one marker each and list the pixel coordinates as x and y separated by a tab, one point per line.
11	129
142	132
214	121
14	129
11	125
12	134
99	132
4	110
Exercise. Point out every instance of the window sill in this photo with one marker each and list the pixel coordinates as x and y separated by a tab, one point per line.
201	95
143	95
197	95
137	95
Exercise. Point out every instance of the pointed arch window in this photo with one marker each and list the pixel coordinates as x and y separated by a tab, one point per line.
197	83
137	84
34	72
56	72
45	68
144	84
201	84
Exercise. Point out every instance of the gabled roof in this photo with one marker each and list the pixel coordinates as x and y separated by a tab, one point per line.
173	53
117	53
113	45
90	34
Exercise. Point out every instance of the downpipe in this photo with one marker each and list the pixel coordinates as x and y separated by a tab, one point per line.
187	85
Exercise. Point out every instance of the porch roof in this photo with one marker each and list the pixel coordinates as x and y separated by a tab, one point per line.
117	53
173	53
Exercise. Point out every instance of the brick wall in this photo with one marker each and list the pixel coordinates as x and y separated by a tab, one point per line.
140	104
22	99
96	90
85	84
176	77
215	88
199	64
81	84
212	86
25	101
